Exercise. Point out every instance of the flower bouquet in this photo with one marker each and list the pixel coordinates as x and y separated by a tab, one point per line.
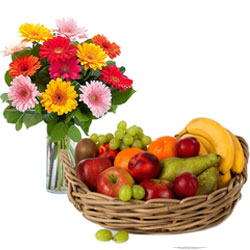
65	79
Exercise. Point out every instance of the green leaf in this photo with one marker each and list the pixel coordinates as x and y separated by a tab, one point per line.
96	74
50	125
8	78
76	85
38	108
42	79
4	97
82	117
113	108
122	69
19	123
85	126
25	52
74	42
59	131
48	116
69	116
31	119
74	133
36	49
11	114
111	63
89	41
120	97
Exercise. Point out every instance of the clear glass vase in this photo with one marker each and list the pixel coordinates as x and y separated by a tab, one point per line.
55	182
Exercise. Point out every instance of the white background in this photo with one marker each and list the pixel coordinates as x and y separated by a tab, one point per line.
187	59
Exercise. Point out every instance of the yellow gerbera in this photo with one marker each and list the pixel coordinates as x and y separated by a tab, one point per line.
91	56
34	33
59	97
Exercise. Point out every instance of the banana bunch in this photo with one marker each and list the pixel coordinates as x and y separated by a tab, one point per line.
214	138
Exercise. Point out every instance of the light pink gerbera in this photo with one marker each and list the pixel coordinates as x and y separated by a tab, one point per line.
69	29
67	69
97	96
10	50
23	93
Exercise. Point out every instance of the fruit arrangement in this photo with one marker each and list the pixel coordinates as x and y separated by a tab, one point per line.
201	158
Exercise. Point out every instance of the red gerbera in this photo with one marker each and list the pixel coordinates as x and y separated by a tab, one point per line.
57	48
112	75
111	49
25	65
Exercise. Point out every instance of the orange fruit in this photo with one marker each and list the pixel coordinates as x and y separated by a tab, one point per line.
123	157
163	147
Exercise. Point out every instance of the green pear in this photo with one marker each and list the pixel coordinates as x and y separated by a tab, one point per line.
174	166
207	181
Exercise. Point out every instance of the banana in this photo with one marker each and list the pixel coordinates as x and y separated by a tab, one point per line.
203	150
217	135
239	159
223	180
202	140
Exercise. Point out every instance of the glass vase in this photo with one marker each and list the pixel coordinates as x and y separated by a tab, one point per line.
55	182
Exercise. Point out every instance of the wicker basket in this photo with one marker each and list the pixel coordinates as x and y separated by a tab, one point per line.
167	216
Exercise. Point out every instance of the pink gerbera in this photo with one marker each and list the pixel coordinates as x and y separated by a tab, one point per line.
67	69
23	93
113	76
97	96
69	29
57	48
14	49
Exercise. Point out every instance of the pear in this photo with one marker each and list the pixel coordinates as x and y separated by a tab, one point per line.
174	166
207	181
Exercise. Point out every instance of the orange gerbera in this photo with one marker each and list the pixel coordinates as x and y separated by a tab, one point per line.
111	49
26	65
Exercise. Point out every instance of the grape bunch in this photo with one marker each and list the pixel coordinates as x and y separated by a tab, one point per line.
123	137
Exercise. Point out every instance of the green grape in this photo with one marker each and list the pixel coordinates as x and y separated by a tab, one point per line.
128	139
122	125
109	136
119	133
123	146
114	144
125	193
146	140
132	130
102	139
103	235
139	135
140	130
137	144
120	237
138	192
94	137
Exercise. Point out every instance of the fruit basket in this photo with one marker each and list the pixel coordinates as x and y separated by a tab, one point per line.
155	216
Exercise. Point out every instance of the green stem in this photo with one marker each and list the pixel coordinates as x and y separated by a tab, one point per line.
59	165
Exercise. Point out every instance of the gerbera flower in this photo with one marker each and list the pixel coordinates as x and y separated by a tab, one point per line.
97	96
67	69
112	75
59	97
34	33
111	49
69	29
25	65
91	56
14	49
23	93
57	48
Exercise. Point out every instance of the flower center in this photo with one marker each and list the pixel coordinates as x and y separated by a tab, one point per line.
59	98
58	50
115	79
106	45
69	31
94	98
90	57
34	34
65	69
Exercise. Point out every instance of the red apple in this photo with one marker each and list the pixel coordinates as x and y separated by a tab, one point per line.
157	188
188	147
144	166
186	185
88	170
105	151
110	181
